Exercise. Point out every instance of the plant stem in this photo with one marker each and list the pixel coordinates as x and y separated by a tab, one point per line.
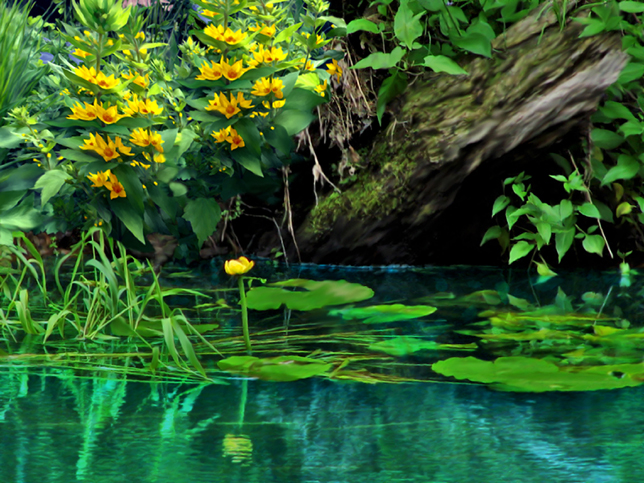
244	313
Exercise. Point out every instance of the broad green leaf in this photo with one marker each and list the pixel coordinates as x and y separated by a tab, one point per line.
303	99
384	313
248	160
391	87
287	33
314	295
294	121
441	63
520	250
589	210
593	244
50	183
500	204
632	128
203	214
362	24
616	110
9	199
627	167
563	241
605	139
79	156
632	71
623	209
475	43
279	139
132	219
491	233
544	270
22	217
545	231
380	60
407	26
630	6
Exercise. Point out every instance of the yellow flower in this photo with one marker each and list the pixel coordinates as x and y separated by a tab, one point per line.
209	13
268	30
143	81
278	104
159	158
232	38
241	102
140	35
235	141
108	150
127	52
81	53
318	39
276	88
85	73
88	113
214	32
124	149
109	115
156	141
228	108
209	73
214	104
116	188
149	107
99	179
308	65
321	88
105	82
262	87
140	137
234	71
275	54
335	69
221	135
238	267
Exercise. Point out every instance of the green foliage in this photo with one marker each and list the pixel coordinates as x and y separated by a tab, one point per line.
378	314
278	369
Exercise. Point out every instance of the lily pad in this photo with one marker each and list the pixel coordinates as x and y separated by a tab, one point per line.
384	313
402	346
279	369
524	374
314	295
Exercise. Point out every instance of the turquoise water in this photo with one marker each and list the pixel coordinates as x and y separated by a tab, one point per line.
55	430
56	427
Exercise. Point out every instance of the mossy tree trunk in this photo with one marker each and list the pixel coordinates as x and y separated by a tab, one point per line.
428	184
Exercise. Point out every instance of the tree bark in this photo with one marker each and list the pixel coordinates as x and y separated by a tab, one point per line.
451	136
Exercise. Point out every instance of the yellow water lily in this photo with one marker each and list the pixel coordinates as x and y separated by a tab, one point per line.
210	73
238	267
234	71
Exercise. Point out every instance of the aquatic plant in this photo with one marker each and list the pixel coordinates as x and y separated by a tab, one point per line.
238	268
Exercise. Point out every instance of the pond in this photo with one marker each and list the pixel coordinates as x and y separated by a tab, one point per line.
382	414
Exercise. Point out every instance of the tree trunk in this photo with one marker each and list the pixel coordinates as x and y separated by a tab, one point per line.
424	195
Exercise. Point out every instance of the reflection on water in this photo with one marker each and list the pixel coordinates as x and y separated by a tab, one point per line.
64	429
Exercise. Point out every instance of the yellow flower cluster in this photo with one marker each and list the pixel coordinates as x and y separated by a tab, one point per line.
266	86
268	30
109	114
222	68
225	35
100	79
229	107
138	80
109	181
145	107
107	149
230	135
144	138
266	56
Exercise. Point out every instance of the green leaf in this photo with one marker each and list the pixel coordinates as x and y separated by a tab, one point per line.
616	110
627	167
132	219
624	208
520	250
287	33
380	60
303	99
22	217
631	6
593	244
563	241
491	233
50	183
79	156
294	121
362	24
9	199
378	314
407	26
279	369
314	295
500	204
589	210
279	139
405	345
248	160
545	231
475	43
392	86
632	71
203	214
605	139
440	63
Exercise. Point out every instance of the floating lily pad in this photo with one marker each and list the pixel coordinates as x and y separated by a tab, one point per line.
524	374
314	295
279	369
384	313
402	346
